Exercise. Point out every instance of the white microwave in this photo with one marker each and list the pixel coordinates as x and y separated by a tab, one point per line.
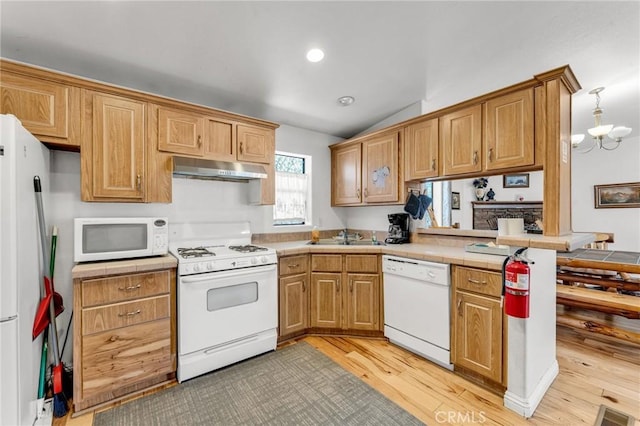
100	238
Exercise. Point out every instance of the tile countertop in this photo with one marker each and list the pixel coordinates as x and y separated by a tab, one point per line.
129	266
430	252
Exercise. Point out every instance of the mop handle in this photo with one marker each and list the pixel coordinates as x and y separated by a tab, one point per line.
52	310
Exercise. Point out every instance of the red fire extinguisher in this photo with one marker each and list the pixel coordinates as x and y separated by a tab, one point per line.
515	284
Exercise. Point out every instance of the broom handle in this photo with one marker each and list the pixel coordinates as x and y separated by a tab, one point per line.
52	310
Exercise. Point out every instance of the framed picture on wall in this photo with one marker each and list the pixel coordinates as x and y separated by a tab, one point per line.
455	200
519	180
617	195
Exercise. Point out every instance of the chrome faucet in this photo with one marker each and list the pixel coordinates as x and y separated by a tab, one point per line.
345	234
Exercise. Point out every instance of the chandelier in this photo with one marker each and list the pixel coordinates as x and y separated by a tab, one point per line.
599	131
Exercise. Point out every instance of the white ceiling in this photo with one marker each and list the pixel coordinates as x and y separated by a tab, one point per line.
249	57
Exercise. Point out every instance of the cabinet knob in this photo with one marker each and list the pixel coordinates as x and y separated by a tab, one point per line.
458	307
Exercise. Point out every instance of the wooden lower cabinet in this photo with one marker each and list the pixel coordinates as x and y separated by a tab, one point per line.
326	300
124	335
363	302
293	295
478	331
345	292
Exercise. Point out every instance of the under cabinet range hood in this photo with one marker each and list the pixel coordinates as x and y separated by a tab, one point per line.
198	168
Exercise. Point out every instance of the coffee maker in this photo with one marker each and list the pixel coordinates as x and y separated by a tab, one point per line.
398	228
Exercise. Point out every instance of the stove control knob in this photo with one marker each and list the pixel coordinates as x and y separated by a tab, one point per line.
254	260
264	259
210	266
196	268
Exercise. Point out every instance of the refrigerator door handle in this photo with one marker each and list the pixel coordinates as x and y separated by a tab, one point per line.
7	319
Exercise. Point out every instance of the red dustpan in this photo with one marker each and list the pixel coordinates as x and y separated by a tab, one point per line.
42	319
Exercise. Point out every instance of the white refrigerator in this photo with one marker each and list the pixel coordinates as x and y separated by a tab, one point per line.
22	157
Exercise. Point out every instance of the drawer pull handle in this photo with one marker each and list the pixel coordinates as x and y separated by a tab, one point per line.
130	288
294	266
358	193
138	182
114	339
350	286
475	157
241	148
199	141
304	287
490	155
338	286
130	314
476	281
433	165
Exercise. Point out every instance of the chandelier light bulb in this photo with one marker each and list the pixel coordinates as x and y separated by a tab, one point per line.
600	131
617	133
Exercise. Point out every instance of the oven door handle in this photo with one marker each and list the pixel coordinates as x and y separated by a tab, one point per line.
227	274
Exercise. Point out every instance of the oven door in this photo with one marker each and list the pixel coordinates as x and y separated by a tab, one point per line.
220	307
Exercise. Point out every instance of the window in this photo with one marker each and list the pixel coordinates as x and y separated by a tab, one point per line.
440	193
293	188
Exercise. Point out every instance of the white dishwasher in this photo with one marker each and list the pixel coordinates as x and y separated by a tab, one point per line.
417	307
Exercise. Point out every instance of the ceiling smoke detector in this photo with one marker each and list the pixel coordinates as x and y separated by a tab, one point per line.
346	100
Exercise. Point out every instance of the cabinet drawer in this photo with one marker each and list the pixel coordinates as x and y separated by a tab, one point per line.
115	359
118	315
362	263
128	287
293	265
326	262
479	281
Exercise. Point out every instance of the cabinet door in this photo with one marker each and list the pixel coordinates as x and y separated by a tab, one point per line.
114	164
180	132
294	304
326	300
478	335
220	140
363	302
43	107
461	141
255	144
508	131
346	172
421	150
380	169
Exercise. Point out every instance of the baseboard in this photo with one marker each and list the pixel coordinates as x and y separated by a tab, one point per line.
527	406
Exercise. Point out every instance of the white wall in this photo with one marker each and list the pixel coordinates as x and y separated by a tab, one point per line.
605	167
193	200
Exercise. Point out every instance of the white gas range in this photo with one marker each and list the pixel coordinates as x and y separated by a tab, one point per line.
227	296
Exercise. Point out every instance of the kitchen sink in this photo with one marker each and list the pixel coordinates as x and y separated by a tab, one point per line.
341	242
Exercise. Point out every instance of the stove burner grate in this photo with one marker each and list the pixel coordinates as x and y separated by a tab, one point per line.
247	248
194	252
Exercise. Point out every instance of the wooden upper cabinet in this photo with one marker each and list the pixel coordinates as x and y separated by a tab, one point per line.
508	131
180	132
113	136
220	140
461	141
346	173
255	144
48	110
421	150
380	169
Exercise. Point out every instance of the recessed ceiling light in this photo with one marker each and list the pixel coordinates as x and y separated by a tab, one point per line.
315	55
346	100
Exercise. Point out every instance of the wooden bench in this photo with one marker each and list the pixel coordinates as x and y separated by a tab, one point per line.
598	300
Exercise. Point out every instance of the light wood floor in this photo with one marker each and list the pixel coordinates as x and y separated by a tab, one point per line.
592	372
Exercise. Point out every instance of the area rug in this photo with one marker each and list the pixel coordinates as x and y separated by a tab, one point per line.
296	385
